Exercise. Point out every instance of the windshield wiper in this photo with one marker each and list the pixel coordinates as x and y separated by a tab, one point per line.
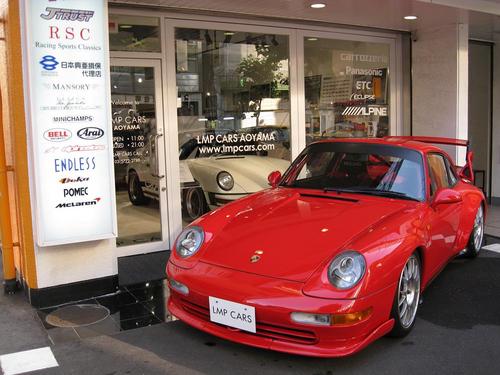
382	193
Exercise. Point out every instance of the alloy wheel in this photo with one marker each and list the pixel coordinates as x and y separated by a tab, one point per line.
409	292
478	231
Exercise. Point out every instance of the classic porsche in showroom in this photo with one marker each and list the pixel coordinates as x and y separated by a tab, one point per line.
336	253
206	182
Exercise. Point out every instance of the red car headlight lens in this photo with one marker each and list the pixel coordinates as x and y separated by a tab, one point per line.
346	269
189	241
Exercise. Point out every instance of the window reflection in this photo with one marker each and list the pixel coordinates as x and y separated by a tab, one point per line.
132	33
233	110
134	150
346	88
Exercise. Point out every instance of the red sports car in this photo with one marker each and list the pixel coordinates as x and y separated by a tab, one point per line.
336	253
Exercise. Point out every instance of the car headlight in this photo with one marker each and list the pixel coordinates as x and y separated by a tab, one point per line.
346	269
189	241
225	180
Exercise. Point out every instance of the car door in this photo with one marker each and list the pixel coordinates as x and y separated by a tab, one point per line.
443	220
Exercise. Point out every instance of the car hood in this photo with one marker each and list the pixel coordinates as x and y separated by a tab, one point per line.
293	232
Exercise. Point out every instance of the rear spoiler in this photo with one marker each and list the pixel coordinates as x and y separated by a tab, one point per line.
466	171
435	140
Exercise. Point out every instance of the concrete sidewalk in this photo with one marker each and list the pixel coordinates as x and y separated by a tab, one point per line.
20	327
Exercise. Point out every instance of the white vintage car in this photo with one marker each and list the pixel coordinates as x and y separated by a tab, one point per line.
206	182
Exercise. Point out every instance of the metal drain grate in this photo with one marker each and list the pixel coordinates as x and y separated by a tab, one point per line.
77	315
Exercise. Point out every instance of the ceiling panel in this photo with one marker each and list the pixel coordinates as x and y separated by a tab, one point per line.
384	14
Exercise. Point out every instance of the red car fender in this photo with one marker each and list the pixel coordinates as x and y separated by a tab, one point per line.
386	248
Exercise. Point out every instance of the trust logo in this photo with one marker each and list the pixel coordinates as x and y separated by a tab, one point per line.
49	62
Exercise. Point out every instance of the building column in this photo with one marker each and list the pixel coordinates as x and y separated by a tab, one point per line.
440	84
495	143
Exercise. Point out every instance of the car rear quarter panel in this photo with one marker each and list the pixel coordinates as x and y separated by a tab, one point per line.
472	198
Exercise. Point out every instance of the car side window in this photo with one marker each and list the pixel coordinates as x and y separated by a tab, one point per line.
438	172
452	177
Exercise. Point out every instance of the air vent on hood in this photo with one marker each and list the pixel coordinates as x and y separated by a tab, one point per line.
229	157
336	197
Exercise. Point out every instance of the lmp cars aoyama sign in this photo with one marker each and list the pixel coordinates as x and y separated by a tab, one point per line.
66	57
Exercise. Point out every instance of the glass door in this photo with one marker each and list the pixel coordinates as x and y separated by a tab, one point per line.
139	155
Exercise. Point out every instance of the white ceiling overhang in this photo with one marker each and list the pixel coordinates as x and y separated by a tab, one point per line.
481	15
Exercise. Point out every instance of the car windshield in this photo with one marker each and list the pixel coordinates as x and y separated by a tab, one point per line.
364	168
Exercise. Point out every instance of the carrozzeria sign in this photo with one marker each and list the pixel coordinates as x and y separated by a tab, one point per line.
66	55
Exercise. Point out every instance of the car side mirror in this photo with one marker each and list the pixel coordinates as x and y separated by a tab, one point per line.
446	196
274	178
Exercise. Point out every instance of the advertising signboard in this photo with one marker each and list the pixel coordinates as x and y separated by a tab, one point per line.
69	120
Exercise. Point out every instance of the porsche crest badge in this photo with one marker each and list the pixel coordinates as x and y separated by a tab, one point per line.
256	256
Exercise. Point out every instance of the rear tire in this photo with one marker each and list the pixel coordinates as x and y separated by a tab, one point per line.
476	236
407	297
135	193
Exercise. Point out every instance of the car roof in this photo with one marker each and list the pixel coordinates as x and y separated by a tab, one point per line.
405	142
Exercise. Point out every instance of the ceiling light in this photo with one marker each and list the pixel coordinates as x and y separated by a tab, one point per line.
318	5
125	26
312	39
410	18
228	33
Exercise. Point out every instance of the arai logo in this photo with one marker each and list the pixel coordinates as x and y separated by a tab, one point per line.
90	133
57	135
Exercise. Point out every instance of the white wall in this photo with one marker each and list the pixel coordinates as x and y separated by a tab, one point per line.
440	80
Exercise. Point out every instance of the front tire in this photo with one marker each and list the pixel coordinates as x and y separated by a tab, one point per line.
407	298
477	235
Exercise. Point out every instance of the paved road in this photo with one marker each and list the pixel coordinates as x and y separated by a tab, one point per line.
457	332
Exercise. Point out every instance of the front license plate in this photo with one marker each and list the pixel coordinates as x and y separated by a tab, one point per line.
232	314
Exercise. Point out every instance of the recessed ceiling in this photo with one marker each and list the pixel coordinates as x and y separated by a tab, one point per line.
383	14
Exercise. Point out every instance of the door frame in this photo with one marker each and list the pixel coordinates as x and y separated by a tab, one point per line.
164	244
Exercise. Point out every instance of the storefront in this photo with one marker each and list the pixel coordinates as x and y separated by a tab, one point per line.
247	99
202	108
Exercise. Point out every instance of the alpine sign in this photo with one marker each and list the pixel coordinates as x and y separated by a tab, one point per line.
66	56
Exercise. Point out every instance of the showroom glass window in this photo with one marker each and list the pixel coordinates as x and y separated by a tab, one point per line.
134	34
233	108
346	86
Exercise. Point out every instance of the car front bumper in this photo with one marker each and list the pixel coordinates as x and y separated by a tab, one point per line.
274	300
219	199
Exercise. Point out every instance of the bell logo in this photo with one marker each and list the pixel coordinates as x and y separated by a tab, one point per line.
57	135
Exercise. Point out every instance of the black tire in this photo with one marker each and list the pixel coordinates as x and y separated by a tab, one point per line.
134	188
194	203
476	238
409	295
